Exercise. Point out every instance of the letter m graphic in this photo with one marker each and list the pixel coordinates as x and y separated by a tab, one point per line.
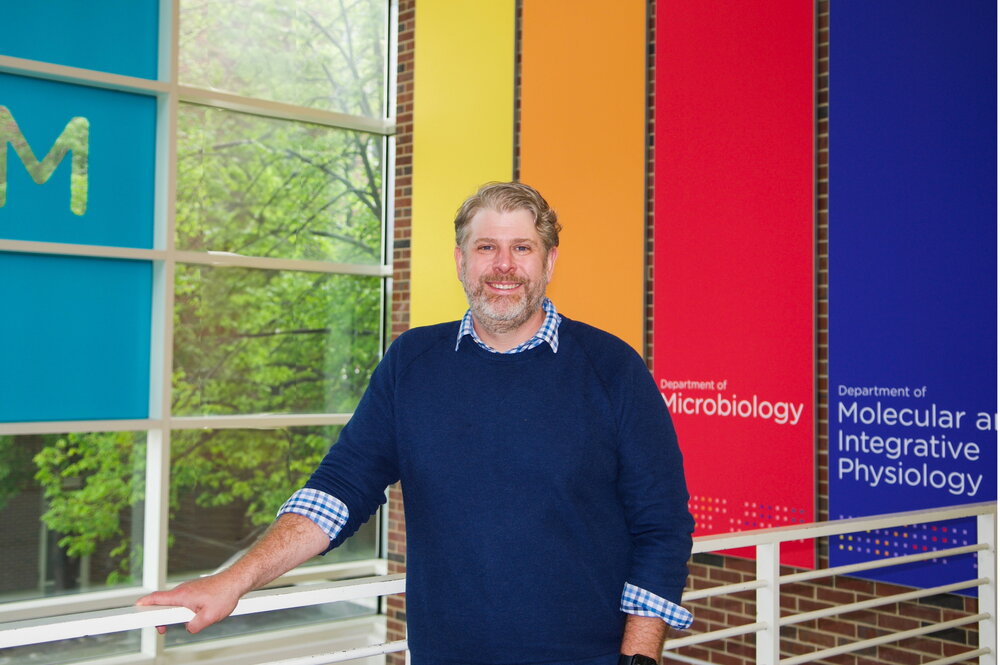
75	138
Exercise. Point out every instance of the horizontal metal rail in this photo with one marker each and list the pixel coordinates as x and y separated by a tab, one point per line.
883	639
34	631
688	659
725	589
882	600
722	590
958	658
49	628
755	537
346	654
711	636
880	563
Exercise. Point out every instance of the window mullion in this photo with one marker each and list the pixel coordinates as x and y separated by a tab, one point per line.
157	504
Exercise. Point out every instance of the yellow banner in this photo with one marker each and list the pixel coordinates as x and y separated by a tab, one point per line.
463	135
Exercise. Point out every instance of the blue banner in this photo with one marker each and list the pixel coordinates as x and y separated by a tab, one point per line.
913	274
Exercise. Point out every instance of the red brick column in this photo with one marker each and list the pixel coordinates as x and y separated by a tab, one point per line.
400	320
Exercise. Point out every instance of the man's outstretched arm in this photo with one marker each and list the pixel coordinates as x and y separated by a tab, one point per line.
289	541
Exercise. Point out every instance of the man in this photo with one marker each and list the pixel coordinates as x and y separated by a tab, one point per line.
546	507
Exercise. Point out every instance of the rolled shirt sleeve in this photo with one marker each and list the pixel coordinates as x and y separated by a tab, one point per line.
642	603
328	512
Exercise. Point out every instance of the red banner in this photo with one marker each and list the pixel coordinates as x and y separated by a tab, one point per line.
733	258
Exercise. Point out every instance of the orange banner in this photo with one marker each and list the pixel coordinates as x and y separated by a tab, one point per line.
583	105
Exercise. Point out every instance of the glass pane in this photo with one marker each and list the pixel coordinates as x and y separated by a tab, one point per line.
227	485
265	187
317	53
252	624
71	509
263	341
75	650
80	347
116	37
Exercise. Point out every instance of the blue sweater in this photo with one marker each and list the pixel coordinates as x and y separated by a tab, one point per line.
535	486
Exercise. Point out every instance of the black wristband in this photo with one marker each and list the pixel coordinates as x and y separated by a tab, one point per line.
636	659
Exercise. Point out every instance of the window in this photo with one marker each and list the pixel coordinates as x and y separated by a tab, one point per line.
193	274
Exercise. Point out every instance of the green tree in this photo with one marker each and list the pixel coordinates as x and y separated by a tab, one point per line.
89	481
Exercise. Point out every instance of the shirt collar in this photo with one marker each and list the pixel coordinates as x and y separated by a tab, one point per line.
548	332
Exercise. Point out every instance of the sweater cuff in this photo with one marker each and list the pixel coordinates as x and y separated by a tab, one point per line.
328	512
642	603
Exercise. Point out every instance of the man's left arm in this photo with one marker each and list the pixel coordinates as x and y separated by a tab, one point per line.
648	621
644	635
654	495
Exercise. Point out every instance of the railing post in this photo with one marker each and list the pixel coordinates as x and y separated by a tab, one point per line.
155	524
986	561
768	604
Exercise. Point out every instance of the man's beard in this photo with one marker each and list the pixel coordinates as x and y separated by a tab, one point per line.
500	314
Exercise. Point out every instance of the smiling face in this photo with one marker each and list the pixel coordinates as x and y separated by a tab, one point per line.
504	270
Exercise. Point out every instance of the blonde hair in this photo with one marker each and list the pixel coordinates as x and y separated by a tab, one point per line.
508	197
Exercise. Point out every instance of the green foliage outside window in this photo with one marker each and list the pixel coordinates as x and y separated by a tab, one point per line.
326	54
91	481
247	341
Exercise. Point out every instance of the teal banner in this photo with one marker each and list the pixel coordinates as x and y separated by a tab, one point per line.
115	36
74	344
76	164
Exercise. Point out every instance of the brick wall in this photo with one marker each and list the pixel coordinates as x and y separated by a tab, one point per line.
400	317
709	569
650	183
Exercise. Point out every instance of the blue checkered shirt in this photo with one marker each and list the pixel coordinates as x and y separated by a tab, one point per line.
330	514
548	332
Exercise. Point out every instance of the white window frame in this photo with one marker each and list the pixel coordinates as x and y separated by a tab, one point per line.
164	257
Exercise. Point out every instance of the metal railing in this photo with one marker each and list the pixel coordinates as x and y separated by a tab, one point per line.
766	583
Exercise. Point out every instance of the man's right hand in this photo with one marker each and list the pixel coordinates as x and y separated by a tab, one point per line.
211	598
290	540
